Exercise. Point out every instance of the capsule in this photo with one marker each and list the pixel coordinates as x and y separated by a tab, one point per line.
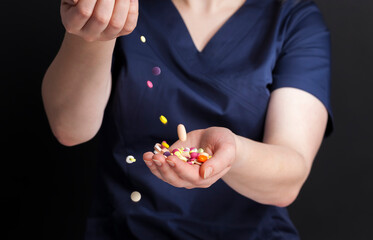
181	132
163	119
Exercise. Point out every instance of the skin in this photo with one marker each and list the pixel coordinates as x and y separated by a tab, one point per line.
77	85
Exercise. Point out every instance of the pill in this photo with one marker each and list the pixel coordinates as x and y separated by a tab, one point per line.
135	196
205	154
150	84
164	143
130	159
202	158
157	147
185	154
167	154
181	132
156	71
143	39
193	155
175	150
163	119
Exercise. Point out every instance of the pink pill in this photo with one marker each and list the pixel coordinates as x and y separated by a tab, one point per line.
175	150
150	84
193	155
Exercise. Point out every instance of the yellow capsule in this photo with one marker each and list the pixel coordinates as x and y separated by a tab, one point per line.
143	39
164	144
163	119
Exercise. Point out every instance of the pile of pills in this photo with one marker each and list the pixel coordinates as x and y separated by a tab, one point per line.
188	155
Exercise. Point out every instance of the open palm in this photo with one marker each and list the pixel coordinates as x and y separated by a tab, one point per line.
217	141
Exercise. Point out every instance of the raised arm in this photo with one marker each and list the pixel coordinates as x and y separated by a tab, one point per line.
77	84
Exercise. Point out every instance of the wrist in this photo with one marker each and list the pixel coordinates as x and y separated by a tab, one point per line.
240	151
79	42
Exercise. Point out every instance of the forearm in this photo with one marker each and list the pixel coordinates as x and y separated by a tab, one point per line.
76	88
265	173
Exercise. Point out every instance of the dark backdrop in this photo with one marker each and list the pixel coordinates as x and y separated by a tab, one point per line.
46	187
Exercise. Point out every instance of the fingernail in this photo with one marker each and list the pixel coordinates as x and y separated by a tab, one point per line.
148	163
171	163
157	162
208	172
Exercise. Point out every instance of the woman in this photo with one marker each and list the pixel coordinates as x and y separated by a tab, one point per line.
249	80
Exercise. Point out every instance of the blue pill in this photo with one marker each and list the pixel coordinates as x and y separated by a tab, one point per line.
167	154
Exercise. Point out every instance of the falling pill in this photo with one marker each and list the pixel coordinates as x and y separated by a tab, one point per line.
150	84
181	132
143	39
156	71
130	159
163	119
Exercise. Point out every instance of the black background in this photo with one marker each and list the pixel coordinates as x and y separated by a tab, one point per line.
46	187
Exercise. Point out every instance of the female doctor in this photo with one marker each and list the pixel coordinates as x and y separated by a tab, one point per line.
250	80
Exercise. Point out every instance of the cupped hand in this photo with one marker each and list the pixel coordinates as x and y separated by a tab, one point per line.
217	141
100	20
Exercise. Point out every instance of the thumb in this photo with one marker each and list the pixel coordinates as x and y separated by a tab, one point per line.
220	161
70	2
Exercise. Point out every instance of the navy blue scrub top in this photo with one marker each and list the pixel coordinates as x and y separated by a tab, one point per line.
265	45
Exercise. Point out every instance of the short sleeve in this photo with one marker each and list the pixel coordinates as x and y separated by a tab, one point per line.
304	57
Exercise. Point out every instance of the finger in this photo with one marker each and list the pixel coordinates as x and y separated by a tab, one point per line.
99	20
221	160
132	17
169	175
148	159
118	18
165	171
69	2
76	17
190	174
185	171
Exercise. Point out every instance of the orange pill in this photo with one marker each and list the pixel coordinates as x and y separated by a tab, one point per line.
202	158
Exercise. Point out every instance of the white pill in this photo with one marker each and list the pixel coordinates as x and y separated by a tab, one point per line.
130	159
135	196
181	132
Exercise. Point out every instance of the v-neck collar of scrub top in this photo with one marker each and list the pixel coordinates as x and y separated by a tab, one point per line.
218	47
